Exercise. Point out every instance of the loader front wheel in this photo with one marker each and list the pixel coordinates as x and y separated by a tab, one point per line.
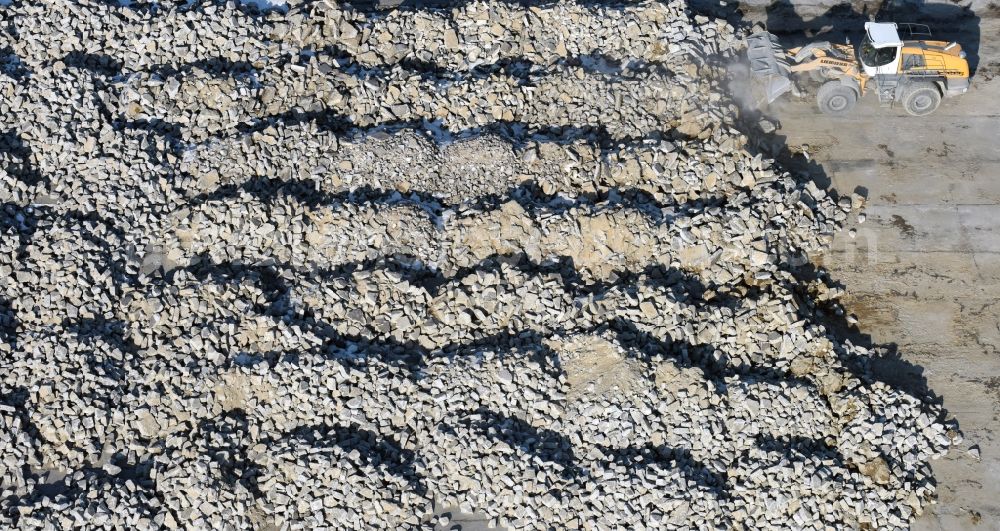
921	99
836	99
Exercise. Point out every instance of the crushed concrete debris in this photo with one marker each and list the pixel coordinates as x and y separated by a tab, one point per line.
325	266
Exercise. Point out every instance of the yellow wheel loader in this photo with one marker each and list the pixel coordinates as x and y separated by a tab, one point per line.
915	73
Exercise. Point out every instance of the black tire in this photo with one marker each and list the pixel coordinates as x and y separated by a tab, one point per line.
836	99
921	99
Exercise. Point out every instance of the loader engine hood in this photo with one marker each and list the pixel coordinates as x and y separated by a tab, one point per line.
945	47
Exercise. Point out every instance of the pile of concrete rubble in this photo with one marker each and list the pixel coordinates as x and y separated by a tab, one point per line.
345	268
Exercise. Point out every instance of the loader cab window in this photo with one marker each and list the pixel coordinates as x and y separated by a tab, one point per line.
873	57
913	61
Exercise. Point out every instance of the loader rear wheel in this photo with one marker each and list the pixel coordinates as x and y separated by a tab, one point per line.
836	99
921	99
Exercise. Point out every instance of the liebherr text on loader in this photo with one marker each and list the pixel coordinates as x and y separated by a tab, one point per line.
916	72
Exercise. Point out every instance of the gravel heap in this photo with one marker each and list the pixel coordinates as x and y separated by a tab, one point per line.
345	268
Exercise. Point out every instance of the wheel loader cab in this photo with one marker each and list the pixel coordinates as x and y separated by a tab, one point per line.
878	52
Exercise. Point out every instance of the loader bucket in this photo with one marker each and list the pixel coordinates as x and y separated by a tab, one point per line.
768	64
